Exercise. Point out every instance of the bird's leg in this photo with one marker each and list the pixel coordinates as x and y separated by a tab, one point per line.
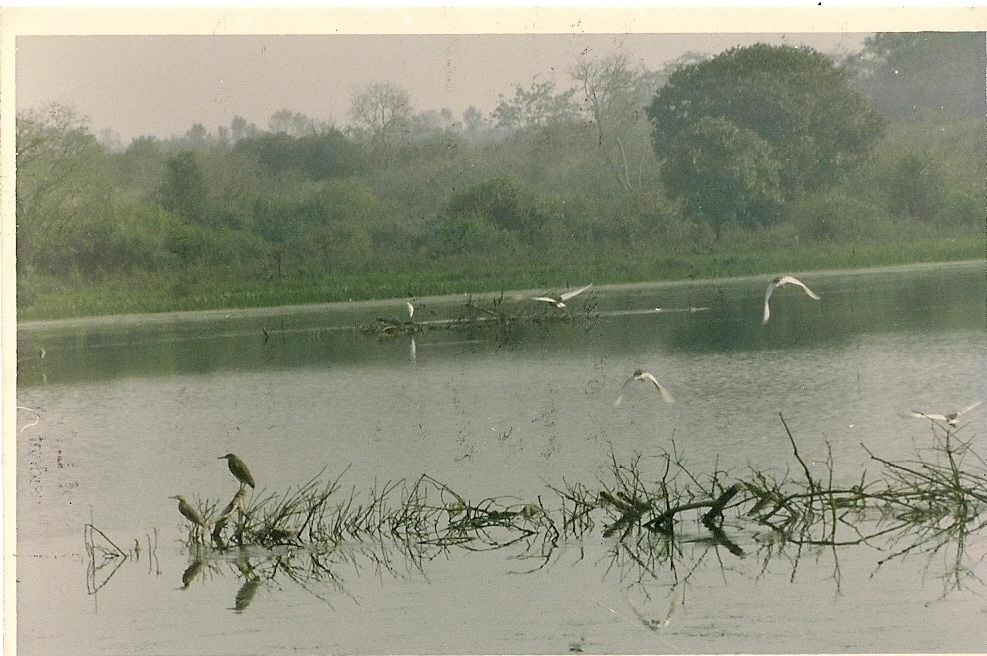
239	524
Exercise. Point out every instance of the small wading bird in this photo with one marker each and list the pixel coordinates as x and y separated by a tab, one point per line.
560	301
411	309
641	375
239	470
951	419
190	513
781	281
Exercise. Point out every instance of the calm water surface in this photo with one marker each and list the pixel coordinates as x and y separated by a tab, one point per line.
137	409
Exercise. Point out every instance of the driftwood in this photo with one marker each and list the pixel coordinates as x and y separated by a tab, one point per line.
714	517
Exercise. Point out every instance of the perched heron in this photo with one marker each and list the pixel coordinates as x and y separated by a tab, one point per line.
952	419
641	375
411	309
189	512
781	281
239	470
560	301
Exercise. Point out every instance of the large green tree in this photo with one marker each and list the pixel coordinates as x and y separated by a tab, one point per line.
795	99
724	174
184	192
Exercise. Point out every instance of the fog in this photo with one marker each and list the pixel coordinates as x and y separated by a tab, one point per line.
160	85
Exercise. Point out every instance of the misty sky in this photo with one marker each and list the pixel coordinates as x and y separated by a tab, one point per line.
161	85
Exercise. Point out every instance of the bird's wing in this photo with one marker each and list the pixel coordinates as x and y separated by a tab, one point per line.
796	281
925	415
545	299
969	408
568	295
767	296
662	392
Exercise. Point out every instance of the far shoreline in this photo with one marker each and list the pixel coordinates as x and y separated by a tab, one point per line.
191	316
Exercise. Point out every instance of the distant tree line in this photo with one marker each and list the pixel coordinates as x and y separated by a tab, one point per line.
762	142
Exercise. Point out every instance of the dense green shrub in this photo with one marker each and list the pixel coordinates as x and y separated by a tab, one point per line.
466	233
317	156
833	216
723	173
503	203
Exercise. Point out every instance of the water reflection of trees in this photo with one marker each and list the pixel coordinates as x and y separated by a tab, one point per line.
305	339
662	521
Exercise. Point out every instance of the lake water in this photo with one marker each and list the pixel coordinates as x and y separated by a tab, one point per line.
136	409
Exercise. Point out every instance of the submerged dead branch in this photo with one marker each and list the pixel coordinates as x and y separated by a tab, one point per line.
649	509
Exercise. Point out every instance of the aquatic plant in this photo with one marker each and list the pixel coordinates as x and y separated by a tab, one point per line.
656	514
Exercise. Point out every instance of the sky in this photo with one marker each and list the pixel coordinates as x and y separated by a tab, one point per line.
161	85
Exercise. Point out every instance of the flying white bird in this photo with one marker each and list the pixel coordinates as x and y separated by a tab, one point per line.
411	309
37	417
781	281
951	419
560	301
642	375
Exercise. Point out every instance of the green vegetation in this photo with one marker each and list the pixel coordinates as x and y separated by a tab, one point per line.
786	168
126	294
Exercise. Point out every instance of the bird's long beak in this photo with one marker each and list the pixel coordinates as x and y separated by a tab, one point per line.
221	458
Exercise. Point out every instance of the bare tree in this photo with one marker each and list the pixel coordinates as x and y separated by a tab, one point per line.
535	107
59	169
383	109
53	146
296	124
240	128
615	93
473	120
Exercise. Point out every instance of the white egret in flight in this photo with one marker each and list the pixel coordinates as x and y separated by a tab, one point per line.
560	301
781	281
951	419
641	375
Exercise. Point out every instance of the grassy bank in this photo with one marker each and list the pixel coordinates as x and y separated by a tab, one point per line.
151	293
